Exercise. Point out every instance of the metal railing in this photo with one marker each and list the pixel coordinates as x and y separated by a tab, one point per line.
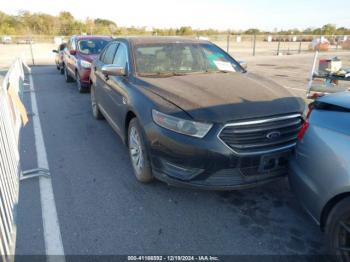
11	121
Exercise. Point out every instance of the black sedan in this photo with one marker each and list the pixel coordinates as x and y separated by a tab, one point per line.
191	115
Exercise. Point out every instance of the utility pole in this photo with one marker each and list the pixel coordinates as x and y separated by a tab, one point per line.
254	44
228	41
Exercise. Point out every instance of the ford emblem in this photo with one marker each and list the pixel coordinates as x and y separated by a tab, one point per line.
273	135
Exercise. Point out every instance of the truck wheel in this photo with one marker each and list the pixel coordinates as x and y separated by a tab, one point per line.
138	153
338	230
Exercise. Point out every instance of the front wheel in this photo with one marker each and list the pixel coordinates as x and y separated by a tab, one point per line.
138	154
338	230
78	82
67	77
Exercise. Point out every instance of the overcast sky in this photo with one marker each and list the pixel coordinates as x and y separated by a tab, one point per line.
218	14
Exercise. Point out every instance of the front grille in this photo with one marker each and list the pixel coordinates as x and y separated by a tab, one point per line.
263	135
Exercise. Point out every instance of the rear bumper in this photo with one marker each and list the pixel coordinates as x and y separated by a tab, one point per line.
305	190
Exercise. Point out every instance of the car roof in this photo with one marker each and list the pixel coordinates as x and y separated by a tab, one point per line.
145	40
341	99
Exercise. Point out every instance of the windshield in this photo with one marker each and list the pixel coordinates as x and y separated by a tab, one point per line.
91	46
182	58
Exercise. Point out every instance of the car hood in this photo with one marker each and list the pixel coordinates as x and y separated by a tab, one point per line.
225	97
88	58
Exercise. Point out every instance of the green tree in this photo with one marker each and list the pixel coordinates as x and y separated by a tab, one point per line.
252	31
66	23
185	30
329	29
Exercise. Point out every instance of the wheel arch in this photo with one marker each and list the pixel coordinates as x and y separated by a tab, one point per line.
329	206
129	116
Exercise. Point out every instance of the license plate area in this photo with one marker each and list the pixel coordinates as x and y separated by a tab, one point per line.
273	162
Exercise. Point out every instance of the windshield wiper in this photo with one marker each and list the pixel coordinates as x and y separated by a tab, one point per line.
161	74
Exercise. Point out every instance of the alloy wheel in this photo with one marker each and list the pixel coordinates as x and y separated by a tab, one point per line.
343	246
135	148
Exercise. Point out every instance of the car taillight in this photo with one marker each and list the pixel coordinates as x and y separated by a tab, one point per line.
306	124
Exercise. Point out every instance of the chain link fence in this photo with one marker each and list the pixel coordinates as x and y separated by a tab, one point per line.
39	47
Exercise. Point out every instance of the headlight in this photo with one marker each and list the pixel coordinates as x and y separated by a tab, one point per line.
179	125
85	64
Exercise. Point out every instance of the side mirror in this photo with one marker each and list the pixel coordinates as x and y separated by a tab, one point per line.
113	70
72	52
55	51
243	64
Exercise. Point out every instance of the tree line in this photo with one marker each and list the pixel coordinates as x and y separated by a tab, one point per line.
27	23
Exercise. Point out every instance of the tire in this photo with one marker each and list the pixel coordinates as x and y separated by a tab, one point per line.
138	153
67	77
62	70
78	82
96	112
338	230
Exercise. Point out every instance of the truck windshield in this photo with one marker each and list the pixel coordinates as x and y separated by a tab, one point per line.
91	46
182	58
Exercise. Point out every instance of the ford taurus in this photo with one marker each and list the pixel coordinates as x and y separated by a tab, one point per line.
191	115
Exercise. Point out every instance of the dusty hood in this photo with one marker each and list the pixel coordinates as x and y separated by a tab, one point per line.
225	97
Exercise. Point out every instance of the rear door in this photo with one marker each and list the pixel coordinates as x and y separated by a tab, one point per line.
70	59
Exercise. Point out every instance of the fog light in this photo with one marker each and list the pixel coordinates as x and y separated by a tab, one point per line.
180	172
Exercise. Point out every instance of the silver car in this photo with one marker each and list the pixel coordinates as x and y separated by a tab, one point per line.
320	169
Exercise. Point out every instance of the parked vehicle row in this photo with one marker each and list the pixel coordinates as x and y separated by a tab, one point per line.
74	58
192	116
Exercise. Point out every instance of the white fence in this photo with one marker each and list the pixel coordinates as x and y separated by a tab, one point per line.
12	115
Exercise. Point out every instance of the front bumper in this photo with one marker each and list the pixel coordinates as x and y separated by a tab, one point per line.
205	163
84	74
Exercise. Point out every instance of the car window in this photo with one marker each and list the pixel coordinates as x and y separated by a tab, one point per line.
183	58
91	46
120	58
102	55
109	54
